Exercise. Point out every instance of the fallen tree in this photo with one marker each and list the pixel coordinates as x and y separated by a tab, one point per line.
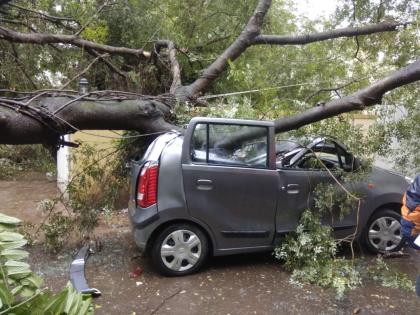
44	116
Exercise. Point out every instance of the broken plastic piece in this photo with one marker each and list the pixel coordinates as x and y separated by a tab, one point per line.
77	273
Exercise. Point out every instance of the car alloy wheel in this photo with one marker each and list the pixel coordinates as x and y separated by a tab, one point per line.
180	249
384	233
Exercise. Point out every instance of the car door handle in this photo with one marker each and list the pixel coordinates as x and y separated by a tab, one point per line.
204	184
292	189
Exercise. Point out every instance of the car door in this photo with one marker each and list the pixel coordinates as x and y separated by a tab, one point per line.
231	185
319	164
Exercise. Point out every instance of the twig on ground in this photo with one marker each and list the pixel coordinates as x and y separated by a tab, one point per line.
164	301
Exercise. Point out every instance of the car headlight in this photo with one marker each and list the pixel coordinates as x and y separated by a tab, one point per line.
409	179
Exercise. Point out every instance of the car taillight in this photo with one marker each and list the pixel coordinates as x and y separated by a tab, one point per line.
147	185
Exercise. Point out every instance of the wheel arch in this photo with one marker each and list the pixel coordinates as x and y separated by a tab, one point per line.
165	224
394	206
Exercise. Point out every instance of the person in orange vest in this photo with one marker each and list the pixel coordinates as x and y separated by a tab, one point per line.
410	221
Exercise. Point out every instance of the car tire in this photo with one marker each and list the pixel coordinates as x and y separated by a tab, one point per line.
383	232
179	249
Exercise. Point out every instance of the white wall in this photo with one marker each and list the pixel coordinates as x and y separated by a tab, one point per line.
63	166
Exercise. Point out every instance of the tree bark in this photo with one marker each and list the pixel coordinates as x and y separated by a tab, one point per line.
47	116
368	96
21	125
359	100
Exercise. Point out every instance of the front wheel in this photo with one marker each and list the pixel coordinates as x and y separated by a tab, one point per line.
383	232
179	249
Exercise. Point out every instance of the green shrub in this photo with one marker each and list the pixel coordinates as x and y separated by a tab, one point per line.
17	158
96	185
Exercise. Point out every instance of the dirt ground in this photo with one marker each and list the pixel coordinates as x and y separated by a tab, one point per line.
244	284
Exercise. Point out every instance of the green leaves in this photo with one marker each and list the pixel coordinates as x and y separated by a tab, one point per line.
10	237
68	301
382	273
20	288
310	254
311	245
6	297
12	245
8	220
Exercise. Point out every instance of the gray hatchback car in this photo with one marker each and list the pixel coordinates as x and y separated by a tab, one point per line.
226	187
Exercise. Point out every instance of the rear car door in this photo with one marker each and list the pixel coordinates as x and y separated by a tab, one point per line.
231	183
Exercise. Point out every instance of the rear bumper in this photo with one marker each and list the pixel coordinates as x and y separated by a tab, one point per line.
142	223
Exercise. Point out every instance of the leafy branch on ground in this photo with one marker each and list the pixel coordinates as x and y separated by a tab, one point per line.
381	272
311	255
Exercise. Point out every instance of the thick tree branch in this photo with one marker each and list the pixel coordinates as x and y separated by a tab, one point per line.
43	117
368	96
251	36
356	101
317	37
174	64
252	30
42	39
37	123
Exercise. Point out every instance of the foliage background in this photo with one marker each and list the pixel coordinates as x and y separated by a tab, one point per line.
202	29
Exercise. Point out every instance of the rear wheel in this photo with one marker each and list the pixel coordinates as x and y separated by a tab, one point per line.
383	232
179	249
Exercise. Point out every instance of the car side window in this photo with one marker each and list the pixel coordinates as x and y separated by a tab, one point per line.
230	145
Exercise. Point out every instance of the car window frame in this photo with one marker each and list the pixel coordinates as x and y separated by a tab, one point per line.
208	163
312	150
